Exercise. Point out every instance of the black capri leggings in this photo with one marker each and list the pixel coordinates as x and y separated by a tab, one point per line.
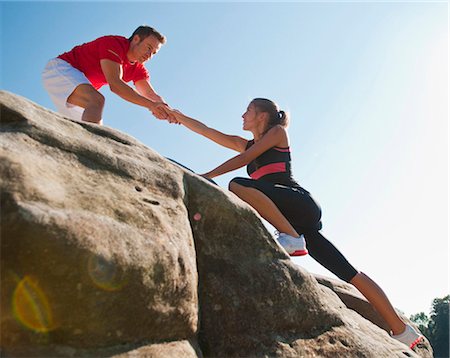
304	213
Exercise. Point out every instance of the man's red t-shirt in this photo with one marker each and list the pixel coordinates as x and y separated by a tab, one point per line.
86	58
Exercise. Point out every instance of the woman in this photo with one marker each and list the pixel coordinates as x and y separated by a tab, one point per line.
280	200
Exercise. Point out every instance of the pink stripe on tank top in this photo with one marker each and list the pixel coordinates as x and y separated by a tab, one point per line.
269	169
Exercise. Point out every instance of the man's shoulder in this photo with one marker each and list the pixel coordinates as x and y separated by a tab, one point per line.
112	39
112	44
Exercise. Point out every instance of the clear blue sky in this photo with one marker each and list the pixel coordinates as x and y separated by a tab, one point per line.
366	85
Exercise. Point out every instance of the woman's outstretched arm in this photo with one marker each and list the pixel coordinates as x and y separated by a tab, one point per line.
274	137
230	141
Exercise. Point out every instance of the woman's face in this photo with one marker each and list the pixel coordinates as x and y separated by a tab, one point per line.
250	118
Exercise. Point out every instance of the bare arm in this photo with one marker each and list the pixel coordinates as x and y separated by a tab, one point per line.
275	137
229	141
145	89
113	74
163	110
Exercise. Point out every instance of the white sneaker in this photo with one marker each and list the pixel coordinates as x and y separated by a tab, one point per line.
409	337
295	246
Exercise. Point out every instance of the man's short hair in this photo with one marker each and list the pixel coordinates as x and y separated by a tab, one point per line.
145	31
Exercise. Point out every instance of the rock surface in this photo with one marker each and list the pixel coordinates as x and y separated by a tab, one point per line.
96	243
355	301
108	249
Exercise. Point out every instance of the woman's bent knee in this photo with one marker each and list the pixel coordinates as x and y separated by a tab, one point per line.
235	184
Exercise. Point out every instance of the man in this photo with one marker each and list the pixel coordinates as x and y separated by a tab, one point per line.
73	78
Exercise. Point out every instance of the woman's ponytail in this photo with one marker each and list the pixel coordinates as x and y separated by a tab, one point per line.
284	118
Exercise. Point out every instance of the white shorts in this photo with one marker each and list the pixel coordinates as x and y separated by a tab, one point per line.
60	80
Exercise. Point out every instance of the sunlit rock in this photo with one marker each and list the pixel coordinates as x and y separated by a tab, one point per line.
109	249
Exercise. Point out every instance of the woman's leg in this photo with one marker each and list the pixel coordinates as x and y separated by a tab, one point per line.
324	252
379	301
264	206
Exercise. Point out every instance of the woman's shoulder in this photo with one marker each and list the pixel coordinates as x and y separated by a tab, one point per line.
278	130
281	134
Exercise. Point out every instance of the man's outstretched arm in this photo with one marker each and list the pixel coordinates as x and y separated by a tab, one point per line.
113	74
145	89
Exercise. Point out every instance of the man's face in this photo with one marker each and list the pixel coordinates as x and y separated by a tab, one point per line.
142	50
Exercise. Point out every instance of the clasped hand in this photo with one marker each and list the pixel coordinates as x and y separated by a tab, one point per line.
163	111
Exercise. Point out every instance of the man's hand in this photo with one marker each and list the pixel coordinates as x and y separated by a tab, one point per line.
175	116
162	111
158	110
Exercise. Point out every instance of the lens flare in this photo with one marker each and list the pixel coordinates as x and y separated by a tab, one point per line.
197	216
105	275
31	306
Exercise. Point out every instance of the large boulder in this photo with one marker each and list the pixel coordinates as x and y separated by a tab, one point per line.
108	249
96	244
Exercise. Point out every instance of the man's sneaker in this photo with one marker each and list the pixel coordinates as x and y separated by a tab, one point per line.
295	246
409	337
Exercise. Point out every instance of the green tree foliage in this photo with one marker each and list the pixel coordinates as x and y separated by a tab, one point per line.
422	321
436	327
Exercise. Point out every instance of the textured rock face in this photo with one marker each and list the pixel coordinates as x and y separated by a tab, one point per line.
108	249
96	245
354	300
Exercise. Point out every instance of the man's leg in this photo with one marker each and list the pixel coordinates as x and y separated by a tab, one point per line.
71	92
87	97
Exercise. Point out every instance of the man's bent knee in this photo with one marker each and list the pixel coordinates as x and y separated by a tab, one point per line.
86	96
96	100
